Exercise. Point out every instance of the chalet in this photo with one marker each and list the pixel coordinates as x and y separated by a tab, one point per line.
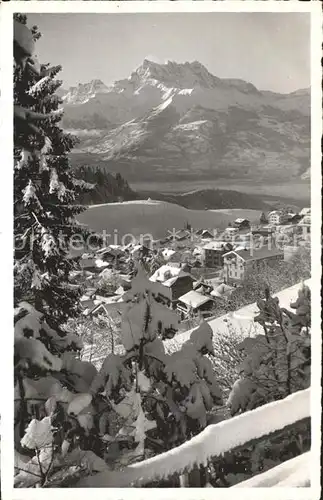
277	217
206	235
181	235
237	264
175	281
214	251
193	303
241	223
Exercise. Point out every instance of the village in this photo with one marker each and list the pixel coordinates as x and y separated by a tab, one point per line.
193	272
162	328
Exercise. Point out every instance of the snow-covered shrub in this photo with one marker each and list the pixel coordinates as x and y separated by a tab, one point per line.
55	412
161	399
277	363
100	335
227	357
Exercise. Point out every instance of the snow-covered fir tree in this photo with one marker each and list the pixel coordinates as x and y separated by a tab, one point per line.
45	190
277	363
54	415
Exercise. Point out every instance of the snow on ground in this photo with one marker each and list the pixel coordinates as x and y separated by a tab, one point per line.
240	320
213	441
294	473
131	202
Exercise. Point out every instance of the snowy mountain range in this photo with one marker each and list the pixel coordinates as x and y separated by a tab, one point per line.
178	121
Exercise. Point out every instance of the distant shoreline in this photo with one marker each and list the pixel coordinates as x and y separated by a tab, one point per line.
301	189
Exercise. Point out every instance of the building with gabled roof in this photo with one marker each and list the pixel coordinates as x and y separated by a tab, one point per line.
192	302
277	217
238	263
175	281
214	251
241	223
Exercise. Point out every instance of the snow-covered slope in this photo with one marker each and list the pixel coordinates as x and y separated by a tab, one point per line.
241	320
179	119
294	473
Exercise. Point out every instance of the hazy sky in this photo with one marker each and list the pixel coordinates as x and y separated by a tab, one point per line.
270	50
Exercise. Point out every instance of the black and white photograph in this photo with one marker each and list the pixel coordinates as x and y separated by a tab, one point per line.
164	220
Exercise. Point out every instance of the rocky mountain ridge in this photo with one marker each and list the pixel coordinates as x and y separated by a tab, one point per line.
179	121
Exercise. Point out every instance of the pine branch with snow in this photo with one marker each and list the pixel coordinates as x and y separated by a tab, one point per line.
45	190
278	363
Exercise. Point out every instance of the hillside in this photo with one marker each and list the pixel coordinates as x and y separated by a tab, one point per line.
178	121
108	188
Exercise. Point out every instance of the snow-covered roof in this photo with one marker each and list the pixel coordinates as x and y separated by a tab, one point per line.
102	250
171	281
101	263
238	248
231	229
242	319
168	252
206	234
216	245
214	282
165	273
194	299
262	253
240	220
120	290
97	307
